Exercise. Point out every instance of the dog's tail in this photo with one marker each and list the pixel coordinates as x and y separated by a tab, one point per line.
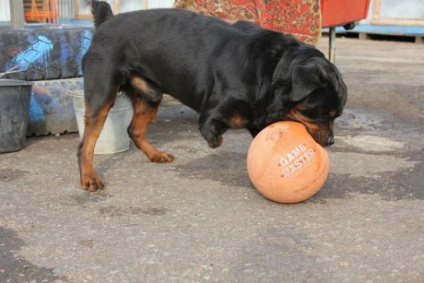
101	11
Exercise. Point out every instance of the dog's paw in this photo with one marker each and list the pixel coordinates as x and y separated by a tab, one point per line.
91	183
215	141
212	132
162	157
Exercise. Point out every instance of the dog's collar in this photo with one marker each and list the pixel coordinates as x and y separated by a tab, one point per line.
277	70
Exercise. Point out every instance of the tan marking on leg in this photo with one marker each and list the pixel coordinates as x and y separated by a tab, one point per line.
143	115
237	121
93	127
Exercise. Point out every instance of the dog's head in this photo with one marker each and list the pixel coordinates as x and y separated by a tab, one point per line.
309	89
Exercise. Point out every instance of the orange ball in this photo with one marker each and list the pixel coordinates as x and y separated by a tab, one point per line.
285	164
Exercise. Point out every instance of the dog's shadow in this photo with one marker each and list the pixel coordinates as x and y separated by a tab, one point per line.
226	167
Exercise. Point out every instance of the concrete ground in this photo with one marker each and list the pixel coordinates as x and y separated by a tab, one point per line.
199	219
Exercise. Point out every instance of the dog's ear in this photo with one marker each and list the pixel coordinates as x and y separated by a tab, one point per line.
305	79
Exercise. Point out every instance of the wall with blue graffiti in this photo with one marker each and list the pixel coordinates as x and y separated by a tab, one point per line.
51	59
43	53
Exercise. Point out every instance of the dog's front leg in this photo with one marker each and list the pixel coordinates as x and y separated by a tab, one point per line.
212	130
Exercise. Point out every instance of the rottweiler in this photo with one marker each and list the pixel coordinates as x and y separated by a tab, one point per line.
235	75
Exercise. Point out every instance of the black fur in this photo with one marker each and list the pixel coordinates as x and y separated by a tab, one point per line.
212	66
101	12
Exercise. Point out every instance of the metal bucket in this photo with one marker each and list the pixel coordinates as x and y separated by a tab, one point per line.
15	96
114	136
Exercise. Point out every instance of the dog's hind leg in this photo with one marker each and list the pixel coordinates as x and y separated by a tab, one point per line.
98	101
144	113
146	98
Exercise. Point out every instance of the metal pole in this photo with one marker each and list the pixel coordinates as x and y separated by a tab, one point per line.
17	14
332	48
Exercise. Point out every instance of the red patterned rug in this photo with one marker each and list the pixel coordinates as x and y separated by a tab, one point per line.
302	18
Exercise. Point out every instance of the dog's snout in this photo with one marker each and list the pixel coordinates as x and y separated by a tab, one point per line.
324	138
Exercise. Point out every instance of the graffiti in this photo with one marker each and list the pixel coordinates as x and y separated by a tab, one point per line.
43	54
85	44
35	111
46	56
35	52
51	110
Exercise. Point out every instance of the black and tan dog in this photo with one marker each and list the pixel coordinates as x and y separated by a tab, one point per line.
235	76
